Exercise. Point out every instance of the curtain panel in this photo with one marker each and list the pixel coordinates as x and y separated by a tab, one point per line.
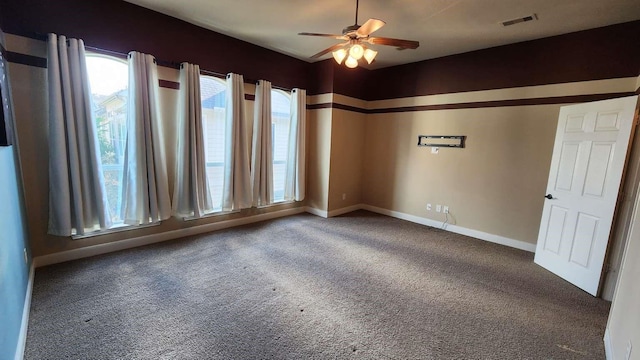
294	188
262	149
77	196
191	196
145	189
236	190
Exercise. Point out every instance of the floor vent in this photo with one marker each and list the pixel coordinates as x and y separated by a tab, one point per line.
520	20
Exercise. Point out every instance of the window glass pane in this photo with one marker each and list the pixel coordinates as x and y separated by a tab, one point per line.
280	120
108	79
212	95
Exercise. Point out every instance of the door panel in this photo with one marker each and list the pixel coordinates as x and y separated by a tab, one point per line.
586	228
575	123
607	122
599	161
557	220
584	180
567	166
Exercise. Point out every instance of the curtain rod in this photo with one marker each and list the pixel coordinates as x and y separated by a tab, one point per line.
246	80
106	52
175	65
213	73
171	64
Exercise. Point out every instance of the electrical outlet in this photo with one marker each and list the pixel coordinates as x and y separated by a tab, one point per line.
435	150
26	257
344	196
438	208
428	207
445	209
629	347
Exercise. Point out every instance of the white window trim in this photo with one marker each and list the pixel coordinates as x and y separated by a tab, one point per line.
276	203
114	229
209	215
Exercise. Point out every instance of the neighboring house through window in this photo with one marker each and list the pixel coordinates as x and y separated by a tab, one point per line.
108	79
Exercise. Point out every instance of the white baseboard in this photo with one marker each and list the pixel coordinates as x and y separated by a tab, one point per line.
518	244
317	212
344	210
24	325
175	234
327	214
608	348
155	238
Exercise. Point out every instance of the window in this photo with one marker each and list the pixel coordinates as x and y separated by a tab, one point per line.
280	120
108	80
213	98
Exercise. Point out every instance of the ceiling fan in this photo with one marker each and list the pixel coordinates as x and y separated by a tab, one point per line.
356	37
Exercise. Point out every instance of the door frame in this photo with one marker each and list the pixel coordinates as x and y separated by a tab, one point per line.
623	213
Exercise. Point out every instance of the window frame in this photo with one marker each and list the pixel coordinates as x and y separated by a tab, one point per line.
217	211
117	226
275	162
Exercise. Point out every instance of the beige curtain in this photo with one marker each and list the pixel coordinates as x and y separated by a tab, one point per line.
77	195
262	149
191	197
145	193
236	190
294	188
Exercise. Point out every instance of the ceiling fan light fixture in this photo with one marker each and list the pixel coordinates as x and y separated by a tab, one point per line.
370	55
355	37
356	51
339	55
351	63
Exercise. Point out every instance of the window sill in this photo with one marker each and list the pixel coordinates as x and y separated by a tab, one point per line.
222	213
114	229
276	203
212	214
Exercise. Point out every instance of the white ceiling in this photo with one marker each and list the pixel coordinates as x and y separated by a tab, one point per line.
443	27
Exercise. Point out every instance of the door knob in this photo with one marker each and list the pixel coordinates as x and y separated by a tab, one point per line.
549	196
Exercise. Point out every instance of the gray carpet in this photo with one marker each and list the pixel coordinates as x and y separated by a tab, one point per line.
302	287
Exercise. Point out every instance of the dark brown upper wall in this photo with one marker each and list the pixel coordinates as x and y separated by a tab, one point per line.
329	77
602	53
608	52
350	82
321	78
120	26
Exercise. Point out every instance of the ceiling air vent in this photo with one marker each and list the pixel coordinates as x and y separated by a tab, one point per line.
520	20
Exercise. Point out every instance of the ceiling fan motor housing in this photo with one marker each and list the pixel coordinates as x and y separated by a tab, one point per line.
350	29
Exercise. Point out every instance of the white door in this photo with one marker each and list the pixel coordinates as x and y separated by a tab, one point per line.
586	168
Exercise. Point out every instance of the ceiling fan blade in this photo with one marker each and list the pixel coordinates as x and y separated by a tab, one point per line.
328	50
370	26
335	36
399	43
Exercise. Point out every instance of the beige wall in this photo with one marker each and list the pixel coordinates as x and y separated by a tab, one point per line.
347	153
624	319
335	157
30	103
495	184
318	158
